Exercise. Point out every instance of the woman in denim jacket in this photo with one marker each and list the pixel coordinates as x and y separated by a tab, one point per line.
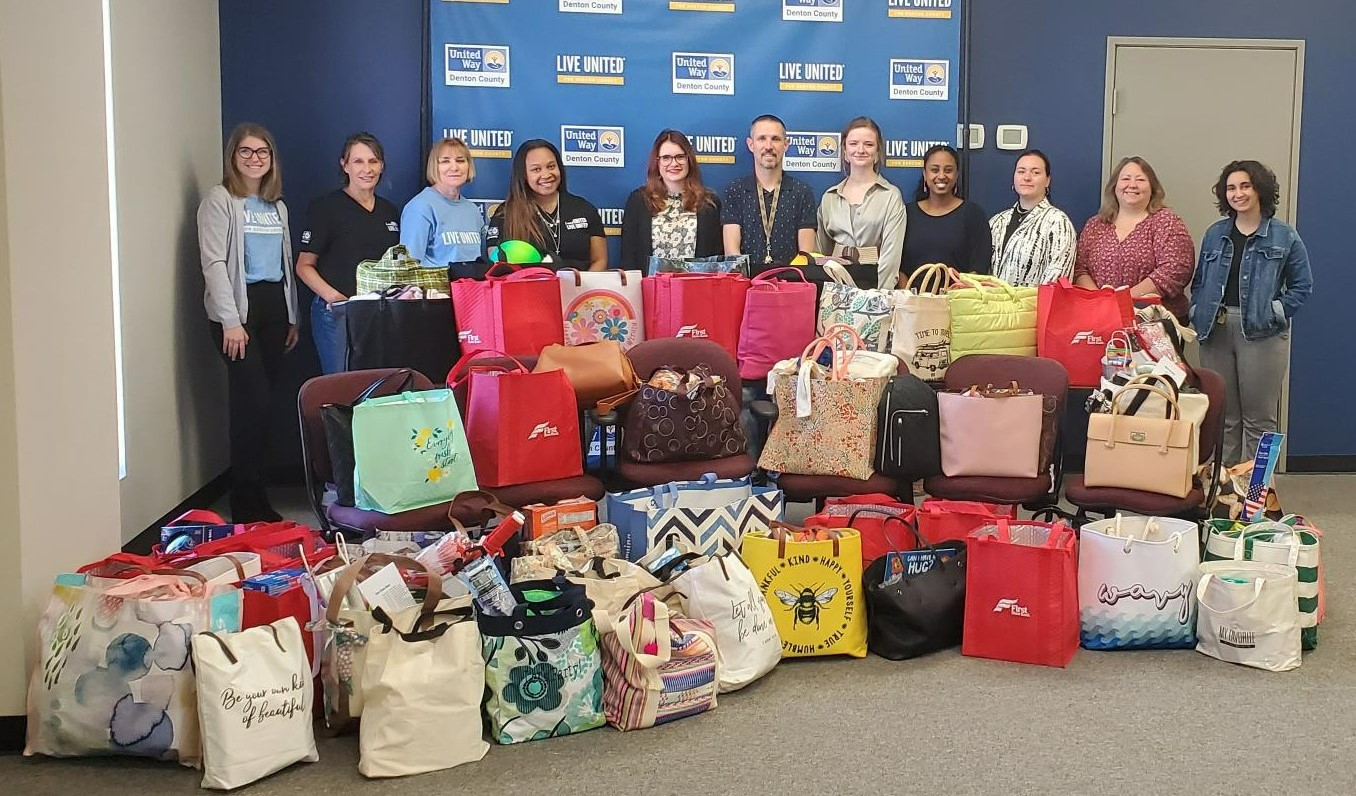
1253	276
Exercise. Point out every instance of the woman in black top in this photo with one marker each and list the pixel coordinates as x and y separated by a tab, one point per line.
942	227
540	211
343	229
673	214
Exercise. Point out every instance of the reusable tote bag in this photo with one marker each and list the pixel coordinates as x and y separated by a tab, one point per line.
989	316
113	674
939	519
709	515
721	590
877	518
1021	593
814	588
1074	323
700	306
868	311
390	332
409	451
658	667
1289	542
779	319
990	432
519	314
921	323
521	427
602	305
424	688
543	667
1137	583
254	703
397	267
1249	614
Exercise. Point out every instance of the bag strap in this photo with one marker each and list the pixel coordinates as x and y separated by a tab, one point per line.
767	276
534	273
912	527
368	565
782	532
430	633
1205	581
156	578
1171	412
836	271
197	517
935	279
407	381
455	377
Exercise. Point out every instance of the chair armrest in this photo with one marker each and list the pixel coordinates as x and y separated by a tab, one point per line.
604	418
763	410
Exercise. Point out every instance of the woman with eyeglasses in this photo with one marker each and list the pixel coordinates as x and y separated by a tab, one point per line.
540	211
673	214
251	301
344	228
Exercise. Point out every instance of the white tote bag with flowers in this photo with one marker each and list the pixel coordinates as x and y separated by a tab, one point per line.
602	305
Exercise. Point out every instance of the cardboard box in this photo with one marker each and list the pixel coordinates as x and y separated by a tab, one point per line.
544	520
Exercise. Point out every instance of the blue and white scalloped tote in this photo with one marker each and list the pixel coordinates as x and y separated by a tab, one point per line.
1137	583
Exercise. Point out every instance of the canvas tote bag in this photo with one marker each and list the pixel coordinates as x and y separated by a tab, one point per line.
602	305
921	325
1291	542
1137	583
658	667
721	590
1249	614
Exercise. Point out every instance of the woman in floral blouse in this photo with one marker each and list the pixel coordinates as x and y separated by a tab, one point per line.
1135	241
673	214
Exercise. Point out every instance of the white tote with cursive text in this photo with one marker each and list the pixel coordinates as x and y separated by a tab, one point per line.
721	590
1137	583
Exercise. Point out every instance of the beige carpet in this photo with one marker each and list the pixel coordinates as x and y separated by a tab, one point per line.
1130	722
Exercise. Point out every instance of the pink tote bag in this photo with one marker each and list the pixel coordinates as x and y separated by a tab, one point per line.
990	433
779	321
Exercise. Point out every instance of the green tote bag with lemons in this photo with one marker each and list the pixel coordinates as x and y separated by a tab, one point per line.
409	451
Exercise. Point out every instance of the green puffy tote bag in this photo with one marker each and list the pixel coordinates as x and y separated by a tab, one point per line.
409	451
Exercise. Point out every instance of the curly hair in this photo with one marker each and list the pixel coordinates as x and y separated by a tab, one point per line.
1263	182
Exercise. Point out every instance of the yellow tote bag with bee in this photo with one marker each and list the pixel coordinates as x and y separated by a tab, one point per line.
814	588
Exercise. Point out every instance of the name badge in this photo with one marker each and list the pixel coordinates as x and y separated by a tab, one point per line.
577	223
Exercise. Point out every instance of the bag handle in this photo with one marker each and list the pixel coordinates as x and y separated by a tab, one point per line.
782	531
368	565
767	276
534	273
936	279
226	649
835	271
197	517
1205	581
1275	529
1171	412
579	279
886	524
466	359
156	578
415	635
1153	380
979	282
407	381
1052	539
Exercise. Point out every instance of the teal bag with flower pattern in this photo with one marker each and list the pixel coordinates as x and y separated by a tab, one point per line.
543	666
409	451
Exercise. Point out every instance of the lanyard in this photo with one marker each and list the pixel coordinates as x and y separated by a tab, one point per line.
769	217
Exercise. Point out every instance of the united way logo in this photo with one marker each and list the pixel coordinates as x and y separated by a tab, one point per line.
703	73
919	9
807	151
586	145
919	80
476	65
812	10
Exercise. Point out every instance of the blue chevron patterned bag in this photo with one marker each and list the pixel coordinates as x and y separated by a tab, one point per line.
711	515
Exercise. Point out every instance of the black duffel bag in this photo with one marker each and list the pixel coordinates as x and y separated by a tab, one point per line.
387	332
921	612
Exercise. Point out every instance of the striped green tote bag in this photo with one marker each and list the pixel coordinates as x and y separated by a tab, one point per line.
1291	541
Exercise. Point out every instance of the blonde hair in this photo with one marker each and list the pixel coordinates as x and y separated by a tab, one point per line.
456	145
270	187
1110	206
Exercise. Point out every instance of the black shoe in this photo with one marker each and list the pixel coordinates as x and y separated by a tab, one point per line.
265	509
250	504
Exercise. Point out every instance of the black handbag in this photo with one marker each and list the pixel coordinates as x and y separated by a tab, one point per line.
908	430
388	332
921	612
337	420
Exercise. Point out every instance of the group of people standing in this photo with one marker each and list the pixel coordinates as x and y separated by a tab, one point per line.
1250	279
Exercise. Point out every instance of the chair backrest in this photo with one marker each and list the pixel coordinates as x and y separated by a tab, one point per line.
686	353
1038	374
1212	428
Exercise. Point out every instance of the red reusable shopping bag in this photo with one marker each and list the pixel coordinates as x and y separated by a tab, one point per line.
1021	593
1073	324
875	517
522	427
708	306
518	314
779	321
940	520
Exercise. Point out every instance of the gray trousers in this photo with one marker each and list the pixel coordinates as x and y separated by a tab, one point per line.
1253	372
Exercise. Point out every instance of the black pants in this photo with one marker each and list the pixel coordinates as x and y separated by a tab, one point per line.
253	382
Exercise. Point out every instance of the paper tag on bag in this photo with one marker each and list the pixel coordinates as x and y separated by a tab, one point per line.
385	589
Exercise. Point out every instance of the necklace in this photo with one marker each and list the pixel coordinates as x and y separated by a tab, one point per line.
768	215
552	222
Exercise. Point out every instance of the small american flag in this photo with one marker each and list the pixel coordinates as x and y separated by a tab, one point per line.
1263	470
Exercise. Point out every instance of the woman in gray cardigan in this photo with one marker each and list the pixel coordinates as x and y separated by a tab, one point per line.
251	301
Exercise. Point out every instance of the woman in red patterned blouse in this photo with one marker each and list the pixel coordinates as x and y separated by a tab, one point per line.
1135	241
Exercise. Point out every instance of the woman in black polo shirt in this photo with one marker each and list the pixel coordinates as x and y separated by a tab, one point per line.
540	211
343	229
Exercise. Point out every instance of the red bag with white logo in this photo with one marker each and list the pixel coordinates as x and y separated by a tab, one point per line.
1021	593
940	520
1073	324
519	314
522	427
708	306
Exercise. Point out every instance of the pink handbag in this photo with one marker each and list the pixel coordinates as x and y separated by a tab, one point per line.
779	320
518	314
991	433
705	306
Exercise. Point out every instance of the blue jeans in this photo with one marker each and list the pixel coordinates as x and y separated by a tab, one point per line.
329	342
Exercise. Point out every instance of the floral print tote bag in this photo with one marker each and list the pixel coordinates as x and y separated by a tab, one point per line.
543	666
602	305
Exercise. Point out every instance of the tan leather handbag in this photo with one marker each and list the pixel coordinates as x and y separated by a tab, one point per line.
600	372
1150	454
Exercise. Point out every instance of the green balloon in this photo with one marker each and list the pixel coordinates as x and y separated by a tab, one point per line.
515	252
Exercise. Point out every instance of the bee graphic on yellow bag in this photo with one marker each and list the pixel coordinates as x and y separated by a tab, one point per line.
807	603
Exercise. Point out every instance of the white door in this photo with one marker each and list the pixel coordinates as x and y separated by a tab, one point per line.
1189	106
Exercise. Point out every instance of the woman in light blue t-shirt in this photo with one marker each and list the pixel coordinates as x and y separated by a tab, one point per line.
439	226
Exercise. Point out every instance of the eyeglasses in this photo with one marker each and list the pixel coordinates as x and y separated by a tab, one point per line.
245	153
667	159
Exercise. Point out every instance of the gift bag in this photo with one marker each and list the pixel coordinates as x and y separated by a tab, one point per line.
721	590
867	310
813	583
390	332
1249	614
1074	323
989	316
883	522
710	515
700	306
409	451
940	519
921	322
779	319
113	675
915	601
543	667
1137	583
424	687
521	427
664	425
1292	542
602	305
519	314
715	264
397	267
1021	593
658	667
254	703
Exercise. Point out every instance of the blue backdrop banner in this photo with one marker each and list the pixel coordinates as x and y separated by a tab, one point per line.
601	78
